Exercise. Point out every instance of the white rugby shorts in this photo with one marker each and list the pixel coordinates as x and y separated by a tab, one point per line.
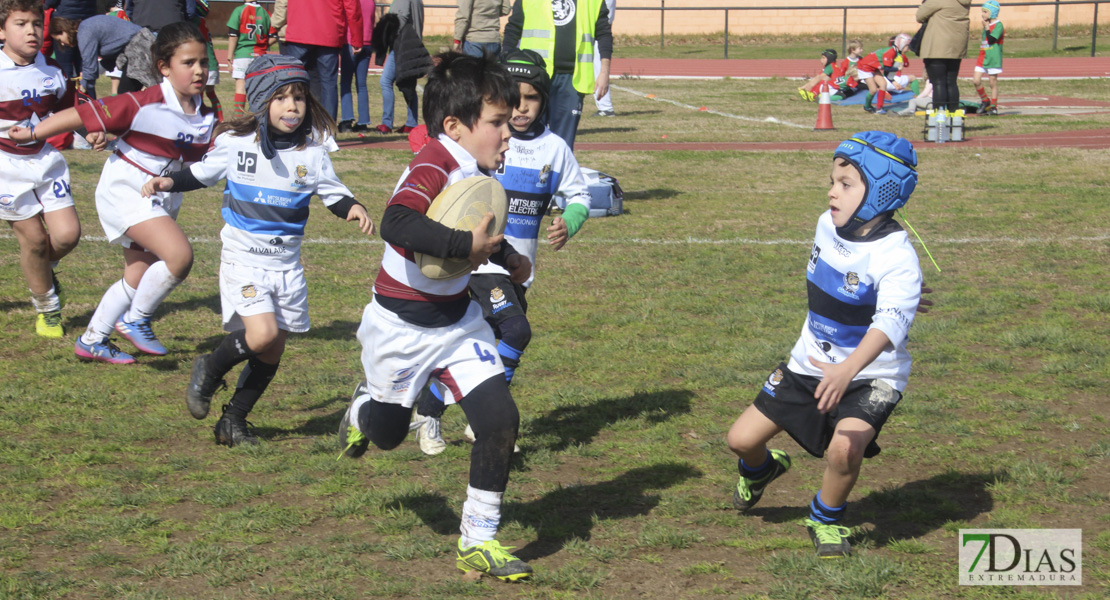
898	80
398	358
988	70
239	67
120	205
33	183
862	75
248	291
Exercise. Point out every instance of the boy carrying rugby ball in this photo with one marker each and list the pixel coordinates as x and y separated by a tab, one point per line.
416	328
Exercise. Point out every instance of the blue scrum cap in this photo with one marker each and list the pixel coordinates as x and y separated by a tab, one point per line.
888	166
992	7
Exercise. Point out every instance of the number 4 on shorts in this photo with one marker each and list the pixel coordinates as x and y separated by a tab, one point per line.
485	355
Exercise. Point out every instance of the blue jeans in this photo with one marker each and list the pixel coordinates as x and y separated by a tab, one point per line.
564	108
389	71
357	70
69	59
322	64
477	48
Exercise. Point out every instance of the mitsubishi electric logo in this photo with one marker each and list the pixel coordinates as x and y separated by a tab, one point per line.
1021	557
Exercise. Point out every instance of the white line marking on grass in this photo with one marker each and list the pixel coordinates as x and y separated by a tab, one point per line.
690	241
712	112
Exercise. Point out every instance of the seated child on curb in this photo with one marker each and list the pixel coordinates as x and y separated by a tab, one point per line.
888	65
812	87
847	371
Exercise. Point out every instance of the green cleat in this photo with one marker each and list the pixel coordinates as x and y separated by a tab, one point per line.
831	541
492	558
49	324
748	492
356	442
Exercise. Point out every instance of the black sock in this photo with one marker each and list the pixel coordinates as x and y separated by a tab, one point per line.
231	351
254	379
428	404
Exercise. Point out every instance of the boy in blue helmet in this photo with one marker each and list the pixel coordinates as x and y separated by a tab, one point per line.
847	371
538	166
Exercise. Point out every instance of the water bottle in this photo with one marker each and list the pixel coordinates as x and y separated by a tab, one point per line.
942	126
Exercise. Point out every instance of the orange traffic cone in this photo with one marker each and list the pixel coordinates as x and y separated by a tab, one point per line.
824	110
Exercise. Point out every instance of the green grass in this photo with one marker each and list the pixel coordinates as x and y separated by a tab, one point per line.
653	331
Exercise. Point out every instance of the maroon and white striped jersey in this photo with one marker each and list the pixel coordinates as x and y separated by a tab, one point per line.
154	132
27	95
441	163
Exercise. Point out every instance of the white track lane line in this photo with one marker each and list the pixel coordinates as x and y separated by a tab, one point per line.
712	112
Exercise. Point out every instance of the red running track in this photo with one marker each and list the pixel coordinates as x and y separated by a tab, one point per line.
1098	66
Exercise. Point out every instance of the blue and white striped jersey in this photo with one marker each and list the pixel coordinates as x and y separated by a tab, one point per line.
265	203
853	287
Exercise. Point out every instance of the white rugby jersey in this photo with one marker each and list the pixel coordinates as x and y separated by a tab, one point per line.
154	132
441	163
534	171
853	287
266	201
28	94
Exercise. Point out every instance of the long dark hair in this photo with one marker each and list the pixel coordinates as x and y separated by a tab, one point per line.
317	120
169	38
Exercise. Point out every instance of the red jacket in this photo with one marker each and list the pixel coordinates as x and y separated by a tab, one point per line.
324	22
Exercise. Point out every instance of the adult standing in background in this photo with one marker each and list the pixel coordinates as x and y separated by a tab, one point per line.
315	32
403	46
69	57
278	21
605	102
478	26
943	46
156	14
353	63
562	32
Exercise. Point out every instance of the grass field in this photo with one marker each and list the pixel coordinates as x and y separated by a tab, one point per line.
653	330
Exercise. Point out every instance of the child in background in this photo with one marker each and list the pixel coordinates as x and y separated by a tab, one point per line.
847	371
35	199
538	165
262	284
249	35
886	65
415	328
200	18
921	101
990	57
812	87
162	128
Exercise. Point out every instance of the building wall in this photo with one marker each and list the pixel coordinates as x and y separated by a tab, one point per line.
441	21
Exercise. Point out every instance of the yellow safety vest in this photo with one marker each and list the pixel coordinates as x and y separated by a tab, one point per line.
539	34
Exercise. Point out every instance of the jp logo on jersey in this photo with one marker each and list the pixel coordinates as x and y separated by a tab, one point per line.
813	256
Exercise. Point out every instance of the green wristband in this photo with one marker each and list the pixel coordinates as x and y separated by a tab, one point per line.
575	215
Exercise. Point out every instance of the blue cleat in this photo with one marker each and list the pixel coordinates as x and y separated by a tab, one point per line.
140	334
102	351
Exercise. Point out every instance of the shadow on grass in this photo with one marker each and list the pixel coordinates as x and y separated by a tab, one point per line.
598	130
652	194
211	302
566	513
909	510
574	425
336	330
314	426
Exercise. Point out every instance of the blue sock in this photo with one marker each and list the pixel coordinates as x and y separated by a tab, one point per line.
822	513
757	472
434	389
510	357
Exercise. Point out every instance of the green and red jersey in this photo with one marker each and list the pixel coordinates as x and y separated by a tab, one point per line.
249	25
990	54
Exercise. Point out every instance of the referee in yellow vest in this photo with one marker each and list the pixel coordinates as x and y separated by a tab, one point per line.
563	33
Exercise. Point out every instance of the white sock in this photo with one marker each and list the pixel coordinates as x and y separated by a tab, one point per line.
113	304
481	515
355	406
156	284
47	302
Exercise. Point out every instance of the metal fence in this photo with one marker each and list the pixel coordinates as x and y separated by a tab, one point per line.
845	9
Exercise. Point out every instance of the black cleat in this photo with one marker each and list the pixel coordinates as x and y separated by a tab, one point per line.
198	396
232	431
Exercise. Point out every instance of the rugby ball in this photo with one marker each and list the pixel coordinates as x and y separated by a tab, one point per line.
462	206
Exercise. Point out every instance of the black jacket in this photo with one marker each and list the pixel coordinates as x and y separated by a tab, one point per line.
411	57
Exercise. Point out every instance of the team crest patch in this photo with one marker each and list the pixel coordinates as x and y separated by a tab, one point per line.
249	291
851	284
47	82
302	172
496	295
545	173
403	378
773	380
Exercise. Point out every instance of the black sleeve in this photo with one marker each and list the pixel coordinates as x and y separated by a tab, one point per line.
513	28
991	39
500	257
343	208
184	181
603	33
411	230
